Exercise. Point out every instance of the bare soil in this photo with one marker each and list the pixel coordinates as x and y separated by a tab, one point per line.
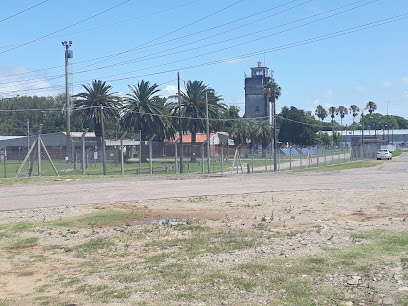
291	224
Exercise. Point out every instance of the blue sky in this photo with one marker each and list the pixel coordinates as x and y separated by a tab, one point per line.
213	41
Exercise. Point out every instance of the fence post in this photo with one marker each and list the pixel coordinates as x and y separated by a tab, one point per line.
317	149
222	159
332	155
290	158
175	155
151	153
266	159
122	162
83	152
202	157
325	157
339	155
4	159
301	153
39	153
344	154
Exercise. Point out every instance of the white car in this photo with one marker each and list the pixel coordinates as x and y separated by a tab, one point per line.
384	154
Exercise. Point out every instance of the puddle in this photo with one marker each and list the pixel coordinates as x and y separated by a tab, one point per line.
160	221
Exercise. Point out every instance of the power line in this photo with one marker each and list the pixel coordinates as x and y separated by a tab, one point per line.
172	32
23	11
67	27
275	49
257	32
126	62
111	24
112	55
145	58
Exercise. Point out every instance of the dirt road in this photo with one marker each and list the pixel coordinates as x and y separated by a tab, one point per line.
392	173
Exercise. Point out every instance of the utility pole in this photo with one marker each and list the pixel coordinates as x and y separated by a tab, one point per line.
275	146
207	130
103	141
68	55
28	141
362	135
180	126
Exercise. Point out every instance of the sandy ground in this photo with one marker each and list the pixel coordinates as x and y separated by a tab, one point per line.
337	203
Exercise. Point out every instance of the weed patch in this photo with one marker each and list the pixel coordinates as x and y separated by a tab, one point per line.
25	243
100	218
93	247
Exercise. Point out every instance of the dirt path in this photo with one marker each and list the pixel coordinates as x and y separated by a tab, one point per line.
52	194
294	217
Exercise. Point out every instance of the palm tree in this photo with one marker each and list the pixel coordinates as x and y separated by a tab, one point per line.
194	110
342	110
321	112
270	88
97	104
145	112
273	91
262	132
371	106
333	112
354	109
240	131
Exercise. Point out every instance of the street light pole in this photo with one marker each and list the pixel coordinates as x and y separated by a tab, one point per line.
68	55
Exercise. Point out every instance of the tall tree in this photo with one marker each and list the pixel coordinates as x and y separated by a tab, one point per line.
240	131
146	112
333	112
261	132
193	100
371	107
321	112
97	101
270	88
342	110
354	109
297	127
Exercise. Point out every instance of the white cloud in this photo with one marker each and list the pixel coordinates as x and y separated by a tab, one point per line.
14	82
169	90
387	84
405	80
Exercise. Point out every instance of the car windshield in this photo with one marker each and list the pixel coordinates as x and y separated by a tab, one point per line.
383	151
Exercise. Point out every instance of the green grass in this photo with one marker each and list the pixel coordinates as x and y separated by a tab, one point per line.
93	247
24	243
12	229
347	166
100	218
213	243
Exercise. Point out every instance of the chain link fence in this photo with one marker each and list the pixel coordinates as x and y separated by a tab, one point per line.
154	157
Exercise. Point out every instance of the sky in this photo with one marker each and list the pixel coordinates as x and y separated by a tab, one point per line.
321	52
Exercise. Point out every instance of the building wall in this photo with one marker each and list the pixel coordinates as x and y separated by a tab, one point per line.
256	104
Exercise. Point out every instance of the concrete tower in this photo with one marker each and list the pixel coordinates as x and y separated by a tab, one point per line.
256	103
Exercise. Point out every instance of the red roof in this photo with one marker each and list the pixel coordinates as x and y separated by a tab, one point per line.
200	138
